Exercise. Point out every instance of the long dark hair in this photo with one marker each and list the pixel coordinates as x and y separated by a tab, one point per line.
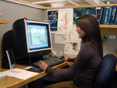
90	26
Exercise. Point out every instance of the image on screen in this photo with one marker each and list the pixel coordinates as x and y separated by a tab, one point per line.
38	37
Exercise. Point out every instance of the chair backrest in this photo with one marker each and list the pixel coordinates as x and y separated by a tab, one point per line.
106	72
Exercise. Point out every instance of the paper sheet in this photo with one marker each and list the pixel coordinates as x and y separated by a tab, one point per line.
53	18
71	48
74	35
65	20
19	73
1	75
61	38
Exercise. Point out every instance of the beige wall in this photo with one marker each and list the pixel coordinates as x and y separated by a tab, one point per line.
12	12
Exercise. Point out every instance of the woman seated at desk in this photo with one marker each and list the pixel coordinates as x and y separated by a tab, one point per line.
84	69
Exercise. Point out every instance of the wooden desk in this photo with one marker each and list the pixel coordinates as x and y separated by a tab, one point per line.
10	82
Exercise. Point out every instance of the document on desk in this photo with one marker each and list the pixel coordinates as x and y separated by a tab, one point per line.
19	73
1	75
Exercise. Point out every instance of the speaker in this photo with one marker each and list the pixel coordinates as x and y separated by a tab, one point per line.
8	60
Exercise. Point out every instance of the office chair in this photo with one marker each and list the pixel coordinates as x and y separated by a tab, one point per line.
106	72
104	77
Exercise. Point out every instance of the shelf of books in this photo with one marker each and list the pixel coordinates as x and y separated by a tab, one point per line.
2	21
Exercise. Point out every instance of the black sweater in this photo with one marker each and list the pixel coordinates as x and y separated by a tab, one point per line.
84	69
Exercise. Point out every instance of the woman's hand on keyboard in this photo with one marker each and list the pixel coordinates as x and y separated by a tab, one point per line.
65	57
43	65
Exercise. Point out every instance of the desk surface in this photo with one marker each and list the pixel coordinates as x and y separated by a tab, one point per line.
10	82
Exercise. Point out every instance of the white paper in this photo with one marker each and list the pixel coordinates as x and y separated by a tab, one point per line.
2	75
71	48
65	20
19	73
61	38
74	35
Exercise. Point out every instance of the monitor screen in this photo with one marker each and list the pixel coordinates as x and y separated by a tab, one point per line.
37	36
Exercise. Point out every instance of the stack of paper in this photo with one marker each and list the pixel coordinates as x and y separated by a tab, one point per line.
19	73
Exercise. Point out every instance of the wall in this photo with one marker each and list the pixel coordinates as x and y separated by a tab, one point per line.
12	12
110	46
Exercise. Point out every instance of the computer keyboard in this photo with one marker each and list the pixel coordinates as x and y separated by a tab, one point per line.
49	62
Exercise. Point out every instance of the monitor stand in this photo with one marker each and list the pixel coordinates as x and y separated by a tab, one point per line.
28	61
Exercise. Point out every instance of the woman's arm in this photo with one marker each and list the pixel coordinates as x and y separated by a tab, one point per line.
71	59
65	57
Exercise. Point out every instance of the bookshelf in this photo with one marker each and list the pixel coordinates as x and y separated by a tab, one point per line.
2	21
95	5
108	29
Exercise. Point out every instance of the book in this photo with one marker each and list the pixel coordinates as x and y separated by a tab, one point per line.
112	18
98	12
101	15
109	15
105	14
115	20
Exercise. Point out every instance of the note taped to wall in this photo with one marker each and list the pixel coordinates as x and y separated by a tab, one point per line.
74	35
71	48
53	18
61	38
65	20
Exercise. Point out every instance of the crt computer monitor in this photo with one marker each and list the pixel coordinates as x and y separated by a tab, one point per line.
32	39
